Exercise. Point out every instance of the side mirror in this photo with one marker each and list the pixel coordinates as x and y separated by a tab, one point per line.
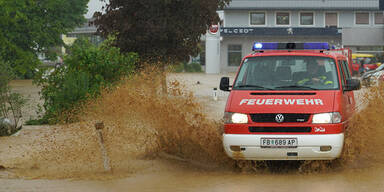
224	84
352	84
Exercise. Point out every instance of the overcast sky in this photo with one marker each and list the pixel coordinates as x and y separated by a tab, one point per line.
93	6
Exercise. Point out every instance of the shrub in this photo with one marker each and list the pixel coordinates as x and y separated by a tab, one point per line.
193	67
10	103
177	68
86	70
185	67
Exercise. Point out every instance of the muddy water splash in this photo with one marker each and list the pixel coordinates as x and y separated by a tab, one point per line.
364	137
141	122
139	116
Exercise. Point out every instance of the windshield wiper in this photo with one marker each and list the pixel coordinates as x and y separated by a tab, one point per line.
296	86
253	86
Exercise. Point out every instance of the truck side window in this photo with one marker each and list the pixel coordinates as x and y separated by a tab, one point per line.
346	70
341	73
242	75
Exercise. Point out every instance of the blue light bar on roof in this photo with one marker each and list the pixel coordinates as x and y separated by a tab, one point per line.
264	46
316	46
284	46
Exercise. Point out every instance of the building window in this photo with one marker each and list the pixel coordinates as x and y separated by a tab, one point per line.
379	18
331	19
306	19
234	55
282	18
257	18
362	18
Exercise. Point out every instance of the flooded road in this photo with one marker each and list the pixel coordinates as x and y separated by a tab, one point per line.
227	181
67	158
179	178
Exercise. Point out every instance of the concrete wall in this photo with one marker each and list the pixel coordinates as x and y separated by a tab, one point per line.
346	18
240	18
212	53
236	19
304	4
363	36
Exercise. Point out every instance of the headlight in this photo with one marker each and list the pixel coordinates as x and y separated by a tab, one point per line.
334	117
230	117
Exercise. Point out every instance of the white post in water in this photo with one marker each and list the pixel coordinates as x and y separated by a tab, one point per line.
99	128
212	50
214	94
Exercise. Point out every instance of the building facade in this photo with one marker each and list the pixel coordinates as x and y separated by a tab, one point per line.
87	30
356	24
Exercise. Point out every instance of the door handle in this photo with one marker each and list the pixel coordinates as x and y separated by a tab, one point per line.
349	100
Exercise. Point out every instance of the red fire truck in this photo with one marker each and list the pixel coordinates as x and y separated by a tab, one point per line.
289	101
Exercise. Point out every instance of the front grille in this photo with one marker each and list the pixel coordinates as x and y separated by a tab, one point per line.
288	117
280	129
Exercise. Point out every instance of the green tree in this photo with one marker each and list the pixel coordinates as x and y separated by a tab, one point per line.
88	69
160	30
28	27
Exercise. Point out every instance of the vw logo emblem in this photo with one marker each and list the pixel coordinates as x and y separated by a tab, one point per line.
279	118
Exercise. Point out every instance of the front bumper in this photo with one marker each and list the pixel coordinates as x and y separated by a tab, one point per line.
308	147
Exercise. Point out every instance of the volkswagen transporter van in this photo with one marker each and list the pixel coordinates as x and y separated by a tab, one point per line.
289	101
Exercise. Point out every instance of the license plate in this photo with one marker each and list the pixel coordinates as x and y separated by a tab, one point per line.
278	142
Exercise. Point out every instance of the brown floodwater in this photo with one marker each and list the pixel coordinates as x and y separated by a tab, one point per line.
165	142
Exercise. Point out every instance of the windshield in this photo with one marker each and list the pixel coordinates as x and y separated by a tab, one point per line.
287	73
